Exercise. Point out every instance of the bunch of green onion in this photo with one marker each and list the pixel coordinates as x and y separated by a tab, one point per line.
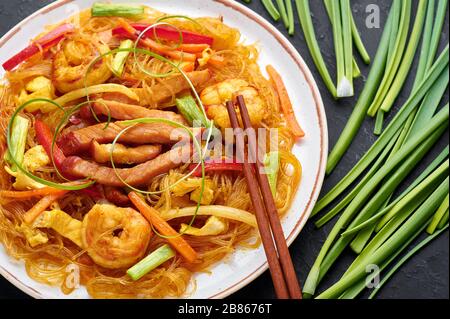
345	35
374	223
391	67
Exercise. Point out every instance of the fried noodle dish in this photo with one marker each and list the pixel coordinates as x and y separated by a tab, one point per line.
94	113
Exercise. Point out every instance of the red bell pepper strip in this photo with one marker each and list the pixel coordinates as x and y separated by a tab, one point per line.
45	42
166	33
216	166
44	137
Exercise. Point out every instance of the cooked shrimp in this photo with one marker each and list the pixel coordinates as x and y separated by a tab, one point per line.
115	237
215	97
71	63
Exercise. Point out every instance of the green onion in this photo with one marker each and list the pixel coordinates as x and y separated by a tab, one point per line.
191	112
409	107
19	133
407	60
397	8
420	116
345	86
438	216
271	9
429	104
344	202
304	14
391	245
358	42
151	262
437	29
426	178
402	261
444	220
121	57
272	166
361	107
375	202
391	227
435	128
356	70
379	122
404	199
290	15
19	166
426	44
283	12
356	289
342	82
392	67
116	10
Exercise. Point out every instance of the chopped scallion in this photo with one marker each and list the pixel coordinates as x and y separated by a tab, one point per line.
121	57
116	10
272	166
151	262
19	135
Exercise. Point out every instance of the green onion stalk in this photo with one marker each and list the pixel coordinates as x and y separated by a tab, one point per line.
283	13
438	216
349	197
427	179
290	16
361	107
271	9
360	286
418	119
391	245
304	14
407	257
439	68
377	200
392	67
408	58
356	38
431	133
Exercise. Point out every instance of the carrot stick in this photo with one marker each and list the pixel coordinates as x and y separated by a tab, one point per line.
285	102
217	61
28	194
193	48
31	215
188	67
34	193
174	238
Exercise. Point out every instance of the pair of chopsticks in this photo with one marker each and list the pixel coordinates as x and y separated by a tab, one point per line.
281	268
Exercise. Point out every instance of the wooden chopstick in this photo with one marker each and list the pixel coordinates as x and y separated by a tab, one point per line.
264	228
280	241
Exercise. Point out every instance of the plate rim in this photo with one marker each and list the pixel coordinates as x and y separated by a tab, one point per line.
320	109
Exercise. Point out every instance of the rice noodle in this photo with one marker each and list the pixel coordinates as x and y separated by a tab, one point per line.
48	263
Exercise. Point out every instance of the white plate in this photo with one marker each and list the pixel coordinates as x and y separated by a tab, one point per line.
243	266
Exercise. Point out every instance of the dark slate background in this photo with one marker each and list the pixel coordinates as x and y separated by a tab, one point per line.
426	276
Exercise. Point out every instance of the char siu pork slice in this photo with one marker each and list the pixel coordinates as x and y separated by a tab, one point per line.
101	153
80	141
139	175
